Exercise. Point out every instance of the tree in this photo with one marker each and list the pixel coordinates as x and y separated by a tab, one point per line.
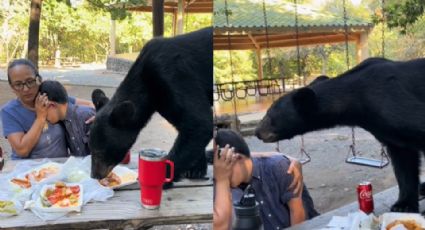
402	14
34	31
35	15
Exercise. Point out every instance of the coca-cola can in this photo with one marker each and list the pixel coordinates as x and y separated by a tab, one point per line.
364	193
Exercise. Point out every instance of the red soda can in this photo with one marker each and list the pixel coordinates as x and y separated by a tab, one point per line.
364	193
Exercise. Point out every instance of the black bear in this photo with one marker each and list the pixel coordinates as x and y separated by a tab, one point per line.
386	98
171	76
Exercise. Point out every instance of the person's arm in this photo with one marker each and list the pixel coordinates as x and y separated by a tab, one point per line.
295	169
294	201
23	143
223	197
296	210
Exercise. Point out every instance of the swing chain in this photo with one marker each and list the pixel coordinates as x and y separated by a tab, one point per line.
229	42
266	25
353	143
383	29
347	57
297	39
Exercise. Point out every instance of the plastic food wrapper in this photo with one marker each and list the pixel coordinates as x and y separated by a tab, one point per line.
74	170
9	207
354	221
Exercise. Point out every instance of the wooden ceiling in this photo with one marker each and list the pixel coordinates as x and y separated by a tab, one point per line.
251	40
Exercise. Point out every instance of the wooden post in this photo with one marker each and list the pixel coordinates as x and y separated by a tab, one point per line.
259	60
112	36
174	23
362	47
180	16
158	17
260	64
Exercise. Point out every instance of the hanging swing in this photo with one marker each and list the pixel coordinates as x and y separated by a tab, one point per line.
352	156
304	157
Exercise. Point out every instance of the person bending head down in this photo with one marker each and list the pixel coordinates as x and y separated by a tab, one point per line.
72	116
268	175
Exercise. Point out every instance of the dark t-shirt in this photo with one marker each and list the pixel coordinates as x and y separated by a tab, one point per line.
270	181
77	131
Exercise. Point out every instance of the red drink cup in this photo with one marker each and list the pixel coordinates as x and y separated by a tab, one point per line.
364	193
152	169
126	159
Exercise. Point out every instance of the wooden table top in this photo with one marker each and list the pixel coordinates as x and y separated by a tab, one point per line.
382	203
191	201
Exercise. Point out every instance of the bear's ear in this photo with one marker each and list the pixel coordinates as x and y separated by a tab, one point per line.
319	79
122	115
305	101
99	99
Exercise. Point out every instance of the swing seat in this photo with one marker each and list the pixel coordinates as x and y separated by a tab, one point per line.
367	161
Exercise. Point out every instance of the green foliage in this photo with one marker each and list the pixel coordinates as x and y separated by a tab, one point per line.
330	59
404	13
82	32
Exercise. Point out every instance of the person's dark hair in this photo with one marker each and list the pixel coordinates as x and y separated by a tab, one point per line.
233	139
25	62
55	91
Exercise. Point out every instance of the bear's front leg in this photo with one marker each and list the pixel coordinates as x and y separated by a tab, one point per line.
188	152
406	168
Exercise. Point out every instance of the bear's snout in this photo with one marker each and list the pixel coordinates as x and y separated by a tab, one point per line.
263	131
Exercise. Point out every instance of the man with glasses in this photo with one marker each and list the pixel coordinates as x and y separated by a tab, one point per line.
24	118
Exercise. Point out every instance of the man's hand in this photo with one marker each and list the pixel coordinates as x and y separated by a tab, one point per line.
41	105
223	164
223	197
295	169
90	120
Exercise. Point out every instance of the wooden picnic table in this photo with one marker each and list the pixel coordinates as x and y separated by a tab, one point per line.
382	203
190	201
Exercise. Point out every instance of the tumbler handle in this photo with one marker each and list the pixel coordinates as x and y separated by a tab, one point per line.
170	179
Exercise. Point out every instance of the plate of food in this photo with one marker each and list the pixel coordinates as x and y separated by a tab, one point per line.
119	177
402	221
8	208
37	175
61	197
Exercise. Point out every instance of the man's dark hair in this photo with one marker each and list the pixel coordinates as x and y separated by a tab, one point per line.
55	91
25	62
233	139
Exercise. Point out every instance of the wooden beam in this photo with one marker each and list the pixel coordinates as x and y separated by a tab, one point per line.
286	43
254	41
260	64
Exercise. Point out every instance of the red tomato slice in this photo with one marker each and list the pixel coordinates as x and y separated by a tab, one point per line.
75	189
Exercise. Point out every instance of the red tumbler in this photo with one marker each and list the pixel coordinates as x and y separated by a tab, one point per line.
152	170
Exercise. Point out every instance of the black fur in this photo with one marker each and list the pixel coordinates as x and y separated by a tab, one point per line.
384	97
171	76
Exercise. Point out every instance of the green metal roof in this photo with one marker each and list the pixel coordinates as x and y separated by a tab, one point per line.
280	14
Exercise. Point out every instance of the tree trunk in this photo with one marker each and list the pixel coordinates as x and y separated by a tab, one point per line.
158	17
34	31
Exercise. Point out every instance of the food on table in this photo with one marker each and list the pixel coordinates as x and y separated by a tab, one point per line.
407	224
37	175
61	196
111	180
7	207
21	183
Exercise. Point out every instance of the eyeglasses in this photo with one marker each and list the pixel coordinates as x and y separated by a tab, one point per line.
18	86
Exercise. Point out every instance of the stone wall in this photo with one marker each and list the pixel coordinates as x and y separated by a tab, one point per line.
118	64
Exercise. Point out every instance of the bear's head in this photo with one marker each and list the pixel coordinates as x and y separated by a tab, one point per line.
292	114
111	134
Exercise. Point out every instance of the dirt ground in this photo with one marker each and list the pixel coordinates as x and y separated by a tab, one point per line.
331	181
